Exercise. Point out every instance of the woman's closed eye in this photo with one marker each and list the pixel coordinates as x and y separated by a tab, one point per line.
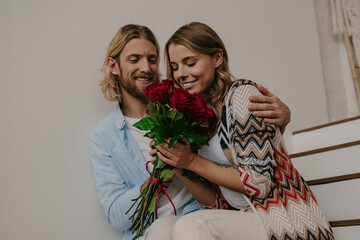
174	68
191	64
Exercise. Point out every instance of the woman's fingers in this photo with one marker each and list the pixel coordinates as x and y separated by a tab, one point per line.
152	160
164	159
153	152
151	144
164	149
178	156
186	141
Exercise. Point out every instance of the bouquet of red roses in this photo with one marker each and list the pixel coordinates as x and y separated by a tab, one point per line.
172	113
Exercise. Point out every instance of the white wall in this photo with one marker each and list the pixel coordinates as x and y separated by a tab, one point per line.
50	52
338	80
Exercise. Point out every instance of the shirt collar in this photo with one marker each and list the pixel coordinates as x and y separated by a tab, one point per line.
120	120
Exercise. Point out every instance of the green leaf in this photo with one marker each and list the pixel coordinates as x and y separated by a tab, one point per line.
179	116
145	123
159	163
151	207
171	113
173	142
196	138
163	132
193	124
178	126
157	142
167	174
161	119
150	110
199	131
151	134
159	134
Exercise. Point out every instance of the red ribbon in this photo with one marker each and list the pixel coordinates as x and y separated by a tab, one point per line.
147	167
155	181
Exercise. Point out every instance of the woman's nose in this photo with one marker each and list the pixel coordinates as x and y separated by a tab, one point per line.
181	73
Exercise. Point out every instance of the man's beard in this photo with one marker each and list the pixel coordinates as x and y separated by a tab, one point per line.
130	87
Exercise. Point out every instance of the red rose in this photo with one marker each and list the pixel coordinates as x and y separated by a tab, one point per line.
180	99
159	92
168	82
198	110
207	117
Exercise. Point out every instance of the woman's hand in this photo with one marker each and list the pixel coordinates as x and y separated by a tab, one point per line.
179	156
152	152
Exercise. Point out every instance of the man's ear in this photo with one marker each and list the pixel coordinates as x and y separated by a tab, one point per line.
113	66
218	57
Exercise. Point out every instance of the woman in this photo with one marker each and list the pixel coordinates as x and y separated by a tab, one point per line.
266	196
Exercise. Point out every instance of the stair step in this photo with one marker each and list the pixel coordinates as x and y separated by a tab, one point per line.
327	156
327	124
325	149
339	200
346	233
327	135
324	164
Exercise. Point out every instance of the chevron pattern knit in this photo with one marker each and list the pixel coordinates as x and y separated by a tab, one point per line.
276	191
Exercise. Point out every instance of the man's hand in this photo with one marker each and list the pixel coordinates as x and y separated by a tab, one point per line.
270	107
143	186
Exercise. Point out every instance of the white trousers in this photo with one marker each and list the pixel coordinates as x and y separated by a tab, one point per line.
161	228
208	225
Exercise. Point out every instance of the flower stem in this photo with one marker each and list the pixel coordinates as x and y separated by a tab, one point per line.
173	117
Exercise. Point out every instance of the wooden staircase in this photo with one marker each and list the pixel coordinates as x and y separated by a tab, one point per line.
328	157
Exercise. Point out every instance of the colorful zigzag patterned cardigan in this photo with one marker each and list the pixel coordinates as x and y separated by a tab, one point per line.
276	191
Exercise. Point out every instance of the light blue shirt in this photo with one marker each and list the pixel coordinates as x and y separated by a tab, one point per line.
119	170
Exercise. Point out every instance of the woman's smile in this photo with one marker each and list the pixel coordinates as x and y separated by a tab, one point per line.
193	70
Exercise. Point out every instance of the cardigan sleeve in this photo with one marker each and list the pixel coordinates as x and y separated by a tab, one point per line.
251	143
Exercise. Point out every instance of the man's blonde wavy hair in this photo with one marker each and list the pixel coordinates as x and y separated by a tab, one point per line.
199	37
109	84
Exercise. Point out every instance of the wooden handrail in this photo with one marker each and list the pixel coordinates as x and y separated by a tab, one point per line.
333	179
326	125
345	223
325	149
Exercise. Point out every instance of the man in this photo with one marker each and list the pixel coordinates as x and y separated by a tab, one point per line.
119	151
